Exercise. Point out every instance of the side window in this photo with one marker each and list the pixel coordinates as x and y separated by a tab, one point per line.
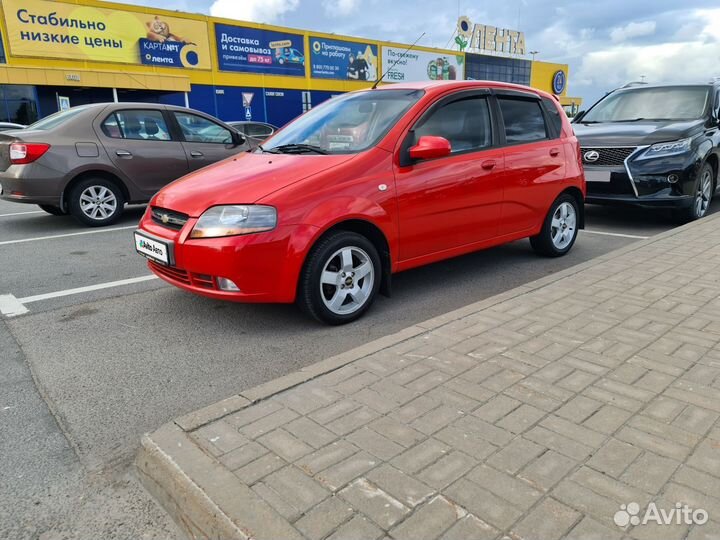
136	125
524	121
554	116
257	130
465	123
198	129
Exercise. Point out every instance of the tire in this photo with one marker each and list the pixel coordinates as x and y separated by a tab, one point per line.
559	230
342	297
86	202
703	193
53	210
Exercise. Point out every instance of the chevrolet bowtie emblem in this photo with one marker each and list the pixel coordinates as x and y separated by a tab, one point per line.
164	218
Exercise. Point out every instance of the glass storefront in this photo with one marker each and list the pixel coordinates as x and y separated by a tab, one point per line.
482	67
18	103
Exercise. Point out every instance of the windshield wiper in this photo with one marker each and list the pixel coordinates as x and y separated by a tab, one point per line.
297	149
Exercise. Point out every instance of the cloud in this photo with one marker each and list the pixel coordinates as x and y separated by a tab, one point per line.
632	30
262	11
342	8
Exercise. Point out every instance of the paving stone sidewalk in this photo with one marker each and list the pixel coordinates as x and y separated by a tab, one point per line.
534	414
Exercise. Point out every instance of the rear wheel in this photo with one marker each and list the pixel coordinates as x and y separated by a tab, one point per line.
54	210
702	196
96	202
559	229
340	279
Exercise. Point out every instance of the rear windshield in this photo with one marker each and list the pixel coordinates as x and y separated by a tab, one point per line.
56	119
664	103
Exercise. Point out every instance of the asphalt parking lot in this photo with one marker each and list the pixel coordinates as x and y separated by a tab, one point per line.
114	353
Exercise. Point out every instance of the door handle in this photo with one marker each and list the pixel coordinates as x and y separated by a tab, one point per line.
195	153
488	164
554	152
123	153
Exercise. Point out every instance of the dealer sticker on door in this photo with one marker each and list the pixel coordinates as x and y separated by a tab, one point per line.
152	249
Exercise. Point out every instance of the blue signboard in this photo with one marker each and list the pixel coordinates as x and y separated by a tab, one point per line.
259	51
346	60
558	82
167	53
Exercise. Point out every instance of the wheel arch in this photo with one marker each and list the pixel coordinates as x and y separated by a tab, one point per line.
374	234
93	173
712	160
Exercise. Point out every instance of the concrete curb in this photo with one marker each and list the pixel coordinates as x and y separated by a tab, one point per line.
206	500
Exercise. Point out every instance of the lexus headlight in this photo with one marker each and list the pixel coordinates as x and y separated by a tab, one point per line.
233	220
667	149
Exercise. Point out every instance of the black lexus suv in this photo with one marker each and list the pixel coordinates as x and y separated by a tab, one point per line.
653	146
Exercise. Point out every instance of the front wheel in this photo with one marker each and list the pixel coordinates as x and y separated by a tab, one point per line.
559	229
701	197
96	202
52	210
340	279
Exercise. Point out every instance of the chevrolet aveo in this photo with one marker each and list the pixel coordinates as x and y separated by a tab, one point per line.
366	185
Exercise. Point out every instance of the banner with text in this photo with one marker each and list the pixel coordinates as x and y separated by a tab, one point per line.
346	60
77	32
416	65
241	48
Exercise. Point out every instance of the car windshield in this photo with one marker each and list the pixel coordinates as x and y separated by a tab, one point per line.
346	124
670	103
56	119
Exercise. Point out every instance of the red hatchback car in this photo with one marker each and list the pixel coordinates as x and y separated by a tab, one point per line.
368	184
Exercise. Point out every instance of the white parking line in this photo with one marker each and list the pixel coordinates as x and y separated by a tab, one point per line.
89	288
22	213
11	306
94	231
603	233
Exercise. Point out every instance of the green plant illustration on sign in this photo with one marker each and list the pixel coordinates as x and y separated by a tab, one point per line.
461	41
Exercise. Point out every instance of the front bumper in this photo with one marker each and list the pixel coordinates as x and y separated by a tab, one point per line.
645	183
265	266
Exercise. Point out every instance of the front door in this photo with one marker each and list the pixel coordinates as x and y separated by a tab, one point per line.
140	145
206	142
456	200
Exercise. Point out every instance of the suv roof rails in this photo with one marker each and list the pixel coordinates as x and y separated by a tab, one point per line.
633	83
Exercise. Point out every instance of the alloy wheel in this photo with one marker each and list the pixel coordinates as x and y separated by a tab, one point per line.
347	280
563	225
704	194
98	202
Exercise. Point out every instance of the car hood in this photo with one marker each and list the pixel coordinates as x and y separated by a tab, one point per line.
635	133
242	179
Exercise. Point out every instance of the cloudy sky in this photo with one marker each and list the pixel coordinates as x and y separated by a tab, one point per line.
606	43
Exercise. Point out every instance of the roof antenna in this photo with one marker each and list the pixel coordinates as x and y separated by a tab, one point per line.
374	86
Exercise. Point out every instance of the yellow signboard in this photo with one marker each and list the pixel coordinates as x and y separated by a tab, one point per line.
61	30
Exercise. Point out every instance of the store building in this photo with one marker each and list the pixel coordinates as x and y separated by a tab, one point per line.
59	54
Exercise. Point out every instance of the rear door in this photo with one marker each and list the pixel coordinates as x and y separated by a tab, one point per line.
140	145
204	141
534	161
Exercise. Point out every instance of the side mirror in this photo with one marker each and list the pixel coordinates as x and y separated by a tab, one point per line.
578	116
237	138
430	147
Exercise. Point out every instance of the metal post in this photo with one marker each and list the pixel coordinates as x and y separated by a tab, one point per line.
187	101
115	98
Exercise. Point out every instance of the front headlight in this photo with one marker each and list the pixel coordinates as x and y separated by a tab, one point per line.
234	220
664	149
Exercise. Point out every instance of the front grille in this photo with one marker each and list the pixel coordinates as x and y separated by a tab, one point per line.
173	273
168	218
608	157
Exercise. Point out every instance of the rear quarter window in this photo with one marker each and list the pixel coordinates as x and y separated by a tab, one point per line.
554	117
